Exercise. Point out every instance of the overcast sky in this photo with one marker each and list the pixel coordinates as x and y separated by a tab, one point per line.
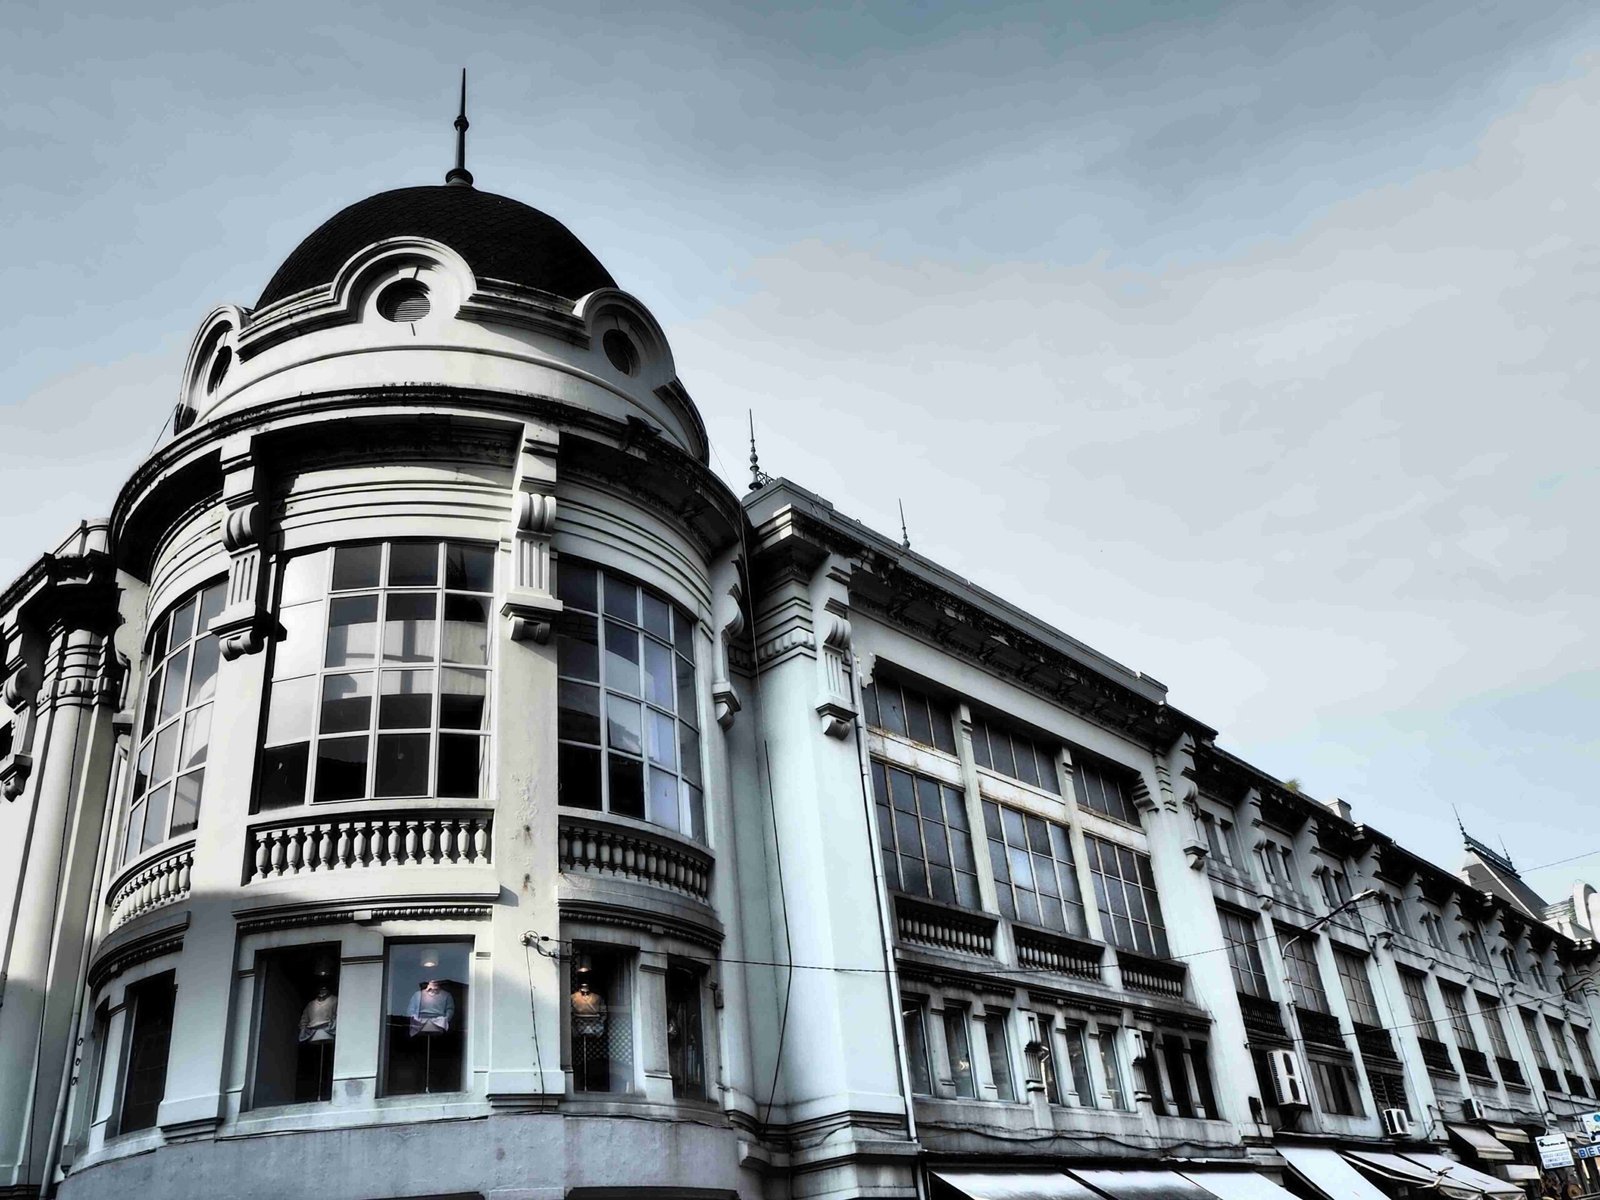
1253	344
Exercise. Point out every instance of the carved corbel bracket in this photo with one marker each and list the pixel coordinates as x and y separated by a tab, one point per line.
835	708
1143	799
20	668
724	697
531	606
1196	853
245	623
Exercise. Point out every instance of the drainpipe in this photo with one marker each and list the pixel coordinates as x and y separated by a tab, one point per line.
891	976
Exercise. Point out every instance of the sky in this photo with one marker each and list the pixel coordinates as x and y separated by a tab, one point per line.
1251	343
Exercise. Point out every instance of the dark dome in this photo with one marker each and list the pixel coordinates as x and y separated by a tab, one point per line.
500	239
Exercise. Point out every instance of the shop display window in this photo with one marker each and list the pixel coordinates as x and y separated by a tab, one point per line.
425	1017
296	1024
685	1046
149	1005
601	1022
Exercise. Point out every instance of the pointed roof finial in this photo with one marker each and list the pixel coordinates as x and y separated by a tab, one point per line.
905	538
1460	824
756	476
459	174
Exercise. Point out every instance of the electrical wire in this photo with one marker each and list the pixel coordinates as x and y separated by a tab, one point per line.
533	1013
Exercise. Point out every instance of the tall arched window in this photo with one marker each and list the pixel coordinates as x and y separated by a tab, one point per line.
175	722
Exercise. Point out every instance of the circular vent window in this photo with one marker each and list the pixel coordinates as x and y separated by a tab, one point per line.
219	369
621	351
404	301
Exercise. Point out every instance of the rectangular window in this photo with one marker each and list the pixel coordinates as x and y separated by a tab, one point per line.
296	1021
959	1044
380	684
425	1017
1394	913
925	838
1015	755
627	717
1559	1037
1075	1038
1455	1007
1433	930
1489	1010
685	1047
1125	894
600	1019
1335	887
175	729
1388	1090
1110	1066
1041	1057
1357	986
908	712
149	1003
1035	880
1416	989
913	1015
1221	839
1530	1026
999	1047
1300	963
1337	1087
1240	932
1475	947
1104	788
1513	963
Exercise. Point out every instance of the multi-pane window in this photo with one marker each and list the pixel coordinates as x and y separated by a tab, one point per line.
1111	1066
1125	894
1530	1026
1357	986
1581	1036
913	1024
1015	755
380	684
1300	963
1416	989
1489	1010
1076	1039
999	1047
1455	1007
924	835
1034	876
899	709
1239	932
1559	1037
180	680
1041	1058
1103	788
958	1042
627	722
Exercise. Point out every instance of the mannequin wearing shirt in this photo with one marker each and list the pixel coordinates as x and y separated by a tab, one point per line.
319	1021
432	1009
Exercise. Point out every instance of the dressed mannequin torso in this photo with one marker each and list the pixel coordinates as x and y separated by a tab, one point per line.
588	1011
319	1021
431	1008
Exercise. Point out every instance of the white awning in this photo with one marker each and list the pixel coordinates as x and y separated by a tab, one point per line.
1015	1185
1329	1173
1459	1174
1143	1185
1404	1170
1520	1172
1481	1142
1510	1133
1238	1185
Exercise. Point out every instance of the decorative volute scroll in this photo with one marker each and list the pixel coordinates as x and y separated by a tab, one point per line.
530	604
242	625
836	703
22	648
1175	771
731	626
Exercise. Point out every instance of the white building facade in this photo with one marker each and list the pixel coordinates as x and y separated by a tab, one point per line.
432	780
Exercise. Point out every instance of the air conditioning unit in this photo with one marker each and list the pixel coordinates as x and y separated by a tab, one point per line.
1288	1082
1472	1108
1396	1122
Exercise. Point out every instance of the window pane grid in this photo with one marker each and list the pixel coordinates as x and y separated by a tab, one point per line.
628	725
380	685
1103	789
1357	987
1125	893
924	839
1244	954
1015	755
1300	962
909	713
1042	887
180	682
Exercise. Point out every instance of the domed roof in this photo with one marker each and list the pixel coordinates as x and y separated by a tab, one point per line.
500	238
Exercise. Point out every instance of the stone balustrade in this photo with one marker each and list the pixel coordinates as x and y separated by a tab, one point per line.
353	841
1038	951
597	846
1154	977
936	928
151	885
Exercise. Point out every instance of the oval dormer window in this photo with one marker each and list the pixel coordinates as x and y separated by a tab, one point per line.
219	369
403	302
619	348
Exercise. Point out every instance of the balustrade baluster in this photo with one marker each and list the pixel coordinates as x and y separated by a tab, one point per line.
392	856
411	843
447	840
429	841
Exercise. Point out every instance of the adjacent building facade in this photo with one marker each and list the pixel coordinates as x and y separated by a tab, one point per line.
432	780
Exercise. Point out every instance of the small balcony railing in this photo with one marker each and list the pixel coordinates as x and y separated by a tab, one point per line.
1436	1056
935	928
1375	1042
1510	1071
1475	1063
1039	951
1153	976
1263	1019
590	846
151	885
357	841
1319	1028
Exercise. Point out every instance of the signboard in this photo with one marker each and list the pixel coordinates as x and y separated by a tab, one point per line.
1587	1151
1554	1151
1589	1123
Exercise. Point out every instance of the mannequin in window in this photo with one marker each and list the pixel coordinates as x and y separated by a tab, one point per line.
590	1065
432	1009
319	1021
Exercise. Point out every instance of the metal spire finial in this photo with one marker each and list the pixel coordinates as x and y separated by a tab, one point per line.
905	538
757	475
459	174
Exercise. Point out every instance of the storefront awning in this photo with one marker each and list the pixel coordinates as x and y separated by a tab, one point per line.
1511	1135
1481	1142
1238	1185
1521	1173
1329	1173
1403	1170
1143	1185
1014	1185
1459	1174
